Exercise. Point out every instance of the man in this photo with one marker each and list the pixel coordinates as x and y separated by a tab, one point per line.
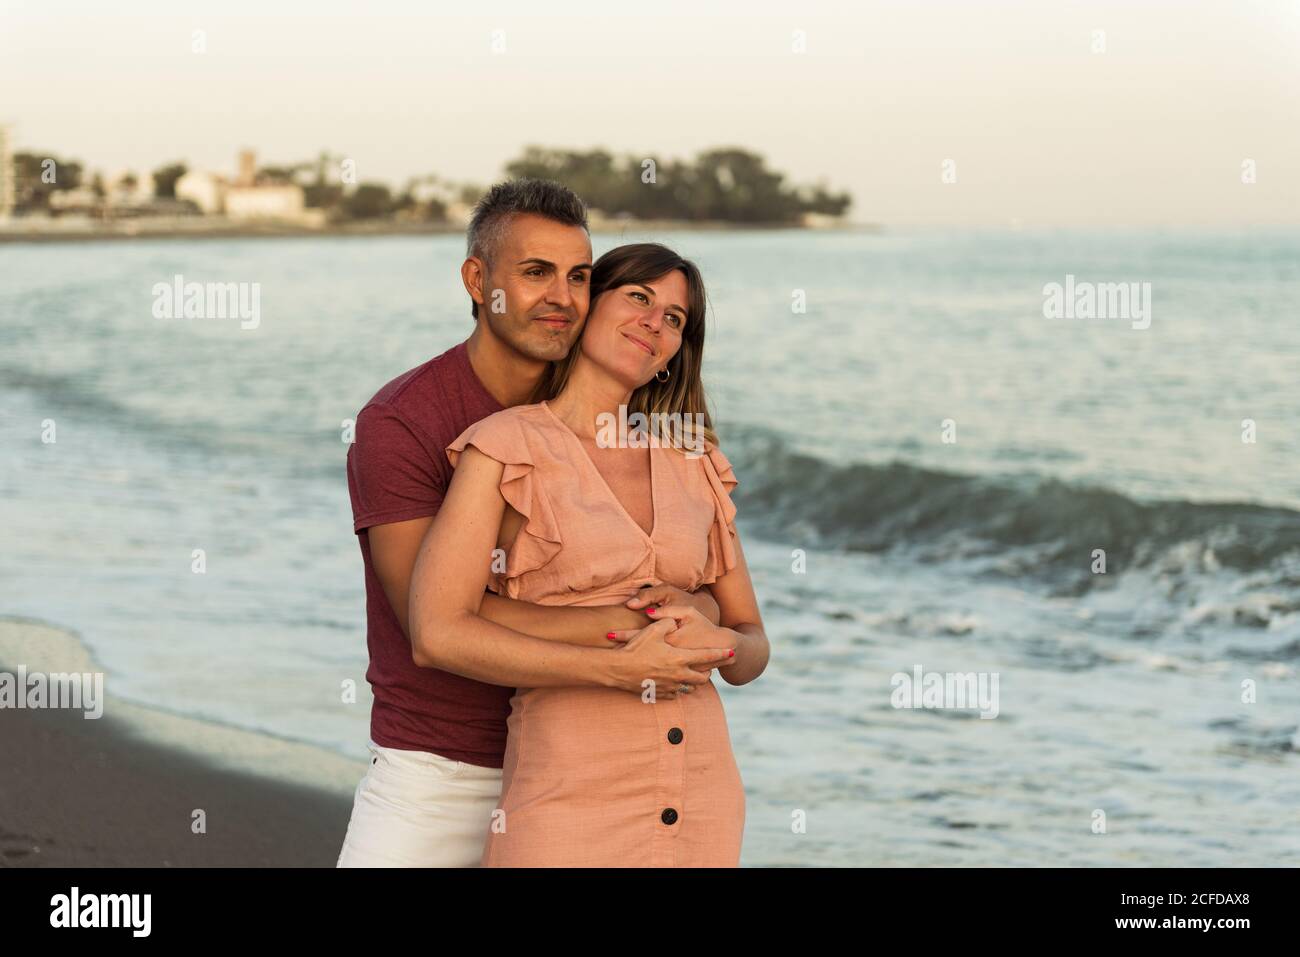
437	738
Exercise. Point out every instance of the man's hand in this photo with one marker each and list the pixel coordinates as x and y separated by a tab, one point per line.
654	595
646	655
690	630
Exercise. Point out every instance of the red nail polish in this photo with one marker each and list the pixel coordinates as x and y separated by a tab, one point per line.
651	611
731	654
609	635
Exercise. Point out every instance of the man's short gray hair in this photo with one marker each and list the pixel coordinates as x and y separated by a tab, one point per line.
504	201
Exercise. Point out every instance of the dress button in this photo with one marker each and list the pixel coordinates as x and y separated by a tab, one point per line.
674	735
669	816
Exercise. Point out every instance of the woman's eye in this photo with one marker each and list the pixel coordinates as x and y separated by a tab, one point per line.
677	320
642	296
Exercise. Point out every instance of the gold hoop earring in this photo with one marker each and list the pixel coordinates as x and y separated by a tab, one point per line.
667	375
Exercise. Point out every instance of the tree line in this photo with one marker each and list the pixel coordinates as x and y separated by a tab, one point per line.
728	184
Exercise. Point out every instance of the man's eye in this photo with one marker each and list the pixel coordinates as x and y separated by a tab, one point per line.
535	271
579	277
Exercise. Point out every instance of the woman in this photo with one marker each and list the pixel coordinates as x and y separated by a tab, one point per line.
598	776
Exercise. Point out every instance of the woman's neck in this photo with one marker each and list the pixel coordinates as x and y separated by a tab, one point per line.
590	393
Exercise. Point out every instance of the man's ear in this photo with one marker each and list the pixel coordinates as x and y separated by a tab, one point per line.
473	272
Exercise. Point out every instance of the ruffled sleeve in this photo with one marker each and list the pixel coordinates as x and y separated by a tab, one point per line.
722	533
501	436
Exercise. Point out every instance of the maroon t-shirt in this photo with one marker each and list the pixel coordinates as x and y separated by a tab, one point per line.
398	470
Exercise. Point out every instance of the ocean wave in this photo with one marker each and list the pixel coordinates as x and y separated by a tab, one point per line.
1020	525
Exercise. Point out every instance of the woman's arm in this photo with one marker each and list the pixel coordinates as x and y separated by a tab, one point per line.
738	607
393	550
449	631
740	625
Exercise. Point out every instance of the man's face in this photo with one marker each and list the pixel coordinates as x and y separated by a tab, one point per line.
536	289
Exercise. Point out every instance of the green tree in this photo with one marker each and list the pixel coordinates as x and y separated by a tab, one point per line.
32	175
322	196
164	180
726	184
368	201
734	185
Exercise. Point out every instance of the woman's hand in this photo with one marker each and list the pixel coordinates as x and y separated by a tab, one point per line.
648	659
692	630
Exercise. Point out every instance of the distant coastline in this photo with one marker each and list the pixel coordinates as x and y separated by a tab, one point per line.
42	230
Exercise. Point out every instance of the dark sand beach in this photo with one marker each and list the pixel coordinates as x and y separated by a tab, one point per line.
105	793
79	793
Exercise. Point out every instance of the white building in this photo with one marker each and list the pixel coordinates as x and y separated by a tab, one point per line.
244	198
459	213
80	200
205	190
264	202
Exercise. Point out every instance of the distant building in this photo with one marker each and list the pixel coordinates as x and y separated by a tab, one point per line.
83	201
247	168
6	175
435	198
245	197
264	202
204	190
820	221
459	213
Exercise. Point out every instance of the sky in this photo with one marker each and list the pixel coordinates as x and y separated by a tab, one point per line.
1040	127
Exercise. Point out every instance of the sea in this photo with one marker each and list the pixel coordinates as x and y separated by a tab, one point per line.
1096	515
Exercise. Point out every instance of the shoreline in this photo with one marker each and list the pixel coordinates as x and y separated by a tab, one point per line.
199	228
122	790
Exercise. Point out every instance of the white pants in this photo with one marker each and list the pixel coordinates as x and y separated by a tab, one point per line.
416	809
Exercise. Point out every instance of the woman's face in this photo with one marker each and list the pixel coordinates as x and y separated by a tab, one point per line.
634	330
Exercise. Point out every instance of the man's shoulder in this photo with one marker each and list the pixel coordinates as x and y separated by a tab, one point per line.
407	392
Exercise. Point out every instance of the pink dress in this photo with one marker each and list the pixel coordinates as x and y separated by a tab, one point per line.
596	777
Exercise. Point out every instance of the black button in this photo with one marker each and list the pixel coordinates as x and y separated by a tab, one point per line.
674	735
669	816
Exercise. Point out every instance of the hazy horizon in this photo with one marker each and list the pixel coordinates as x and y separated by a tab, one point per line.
1042	130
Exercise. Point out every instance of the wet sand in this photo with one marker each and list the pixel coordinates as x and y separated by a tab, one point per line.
114	792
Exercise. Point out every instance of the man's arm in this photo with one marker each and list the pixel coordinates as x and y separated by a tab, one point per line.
393	549
447	586
591	624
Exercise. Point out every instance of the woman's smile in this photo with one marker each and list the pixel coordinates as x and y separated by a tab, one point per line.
641	343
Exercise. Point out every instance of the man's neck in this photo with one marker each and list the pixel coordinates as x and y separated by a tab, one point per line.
507	375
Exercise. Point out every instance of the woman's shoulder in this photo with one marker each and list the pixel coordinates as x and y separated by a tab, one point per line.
516	420
705	454
691	447
506	435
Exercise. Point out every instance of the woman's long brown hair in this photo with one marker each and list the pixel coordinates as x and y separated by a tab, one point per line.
683	393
